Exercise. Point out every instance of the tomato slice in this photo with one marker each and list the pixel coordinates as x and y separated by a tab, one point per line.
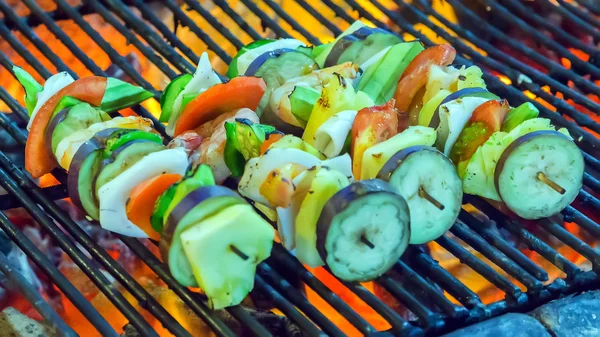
37	159
142	200
240	92
415	76
491	113
371	126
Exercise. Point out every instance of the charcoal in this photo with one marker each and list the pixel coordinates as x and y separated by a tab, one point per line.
278	325
572	316
513	325
130	331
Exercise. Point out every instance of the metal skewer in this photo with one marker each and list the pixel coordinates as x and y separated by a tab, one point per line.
423	194
239	252
544	178
364	240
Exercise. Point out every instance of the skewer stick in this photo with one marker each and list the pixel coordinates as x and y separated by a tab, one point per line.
239	252
423	194
364	240
544	178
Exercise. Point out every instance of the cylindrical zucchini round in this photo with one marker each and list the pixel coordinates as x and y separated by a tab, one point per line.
428	181
363	230
539	174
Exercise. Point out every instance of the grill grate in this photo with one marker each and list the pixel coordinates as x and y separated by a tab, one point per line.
421	275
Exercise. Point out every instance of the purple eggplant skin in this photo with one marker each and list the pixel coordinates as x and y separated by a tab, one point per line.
261	59
513	146
396	160
339	48
344	199
186	204
435	120
59	117
87	148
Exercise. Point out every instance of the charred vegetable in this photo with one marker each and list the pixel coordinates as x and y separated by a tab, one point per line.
363	230
430	185
244	140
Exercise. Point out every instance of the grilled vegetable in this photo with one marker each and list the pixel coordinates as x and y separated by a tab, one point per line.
375	157
332	136
539	174
214	240
194	178
428	182
81	179
113	194
120	95
302	102
318	186
363	229
31	87
240	92
518	115
258	62
371	126
360	45
254	50
232	71
325	50
171	92
293	142
380	79
244	140
203	79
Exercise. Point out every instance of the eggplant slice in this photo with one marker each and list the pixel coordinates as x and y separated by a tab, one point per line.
363	230
428	181
539	174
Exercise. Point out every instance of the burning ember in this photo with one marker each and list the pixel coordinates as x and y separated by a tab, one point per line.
11	297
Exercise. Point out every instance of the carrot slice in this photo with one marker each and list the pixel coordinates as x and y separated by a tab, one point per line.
272	139
240	92
37	159
142	200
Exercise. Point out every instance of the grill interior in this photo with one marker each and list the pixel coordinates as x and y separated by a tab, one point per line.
439	300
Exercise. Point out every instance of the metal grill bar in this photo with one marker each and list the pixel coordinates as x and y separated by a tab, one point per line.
582	24
582	14
589	6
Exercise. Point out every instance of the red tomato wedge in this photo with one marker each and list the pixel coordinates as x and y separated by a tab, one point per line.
492	113
371	126
142	200
272	139
416	74
240	92
37	159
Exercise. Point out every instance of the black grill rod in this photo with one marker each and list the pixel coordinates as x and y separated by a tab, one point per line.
517	77
592	161
238	19
149	15
461	231
193	4
50	23
32	36
362	12
266	20
582	24
192	299
588	199
328	24
55	192
532	242
571	214
429	291
339	11
584	138
149	35
186	21
295	25
552	68
509	250
284	258
557	32
115	58
133	39
572	241
513	293
23	52
69	247
576	63
421	261
65	286
591	19
587	4
55	15
288	309
17	109
51	318
591	182
269	274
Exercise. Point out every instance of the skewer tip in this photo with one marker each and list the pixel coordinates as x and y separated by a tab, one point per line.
368	243
423	194
541	176
238	252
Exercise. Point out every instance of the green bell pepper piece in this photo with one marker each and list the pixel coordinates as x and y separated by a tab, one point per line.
31	87
120	95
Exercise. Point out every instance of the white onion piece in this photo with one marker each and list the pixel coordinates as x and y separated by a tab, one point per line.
454	115
331	135
53	84
114	194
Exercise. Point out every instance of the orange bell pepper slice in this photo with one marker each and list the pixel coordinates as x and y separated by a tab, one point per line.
269	141
142	200
240	92
37	159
